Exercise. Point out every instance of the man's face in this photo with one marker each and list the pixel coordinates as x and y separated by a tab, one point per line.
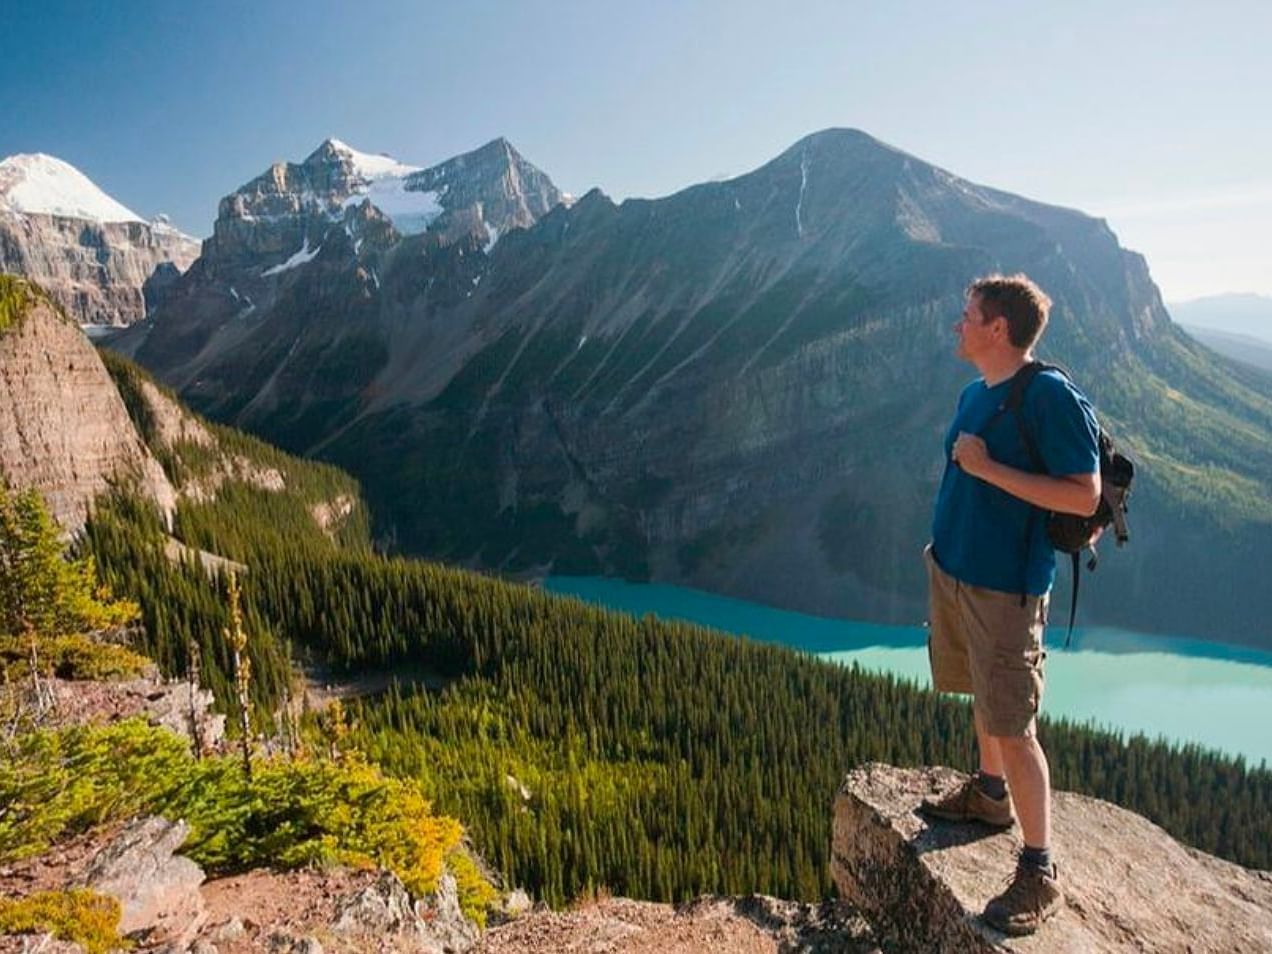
975	334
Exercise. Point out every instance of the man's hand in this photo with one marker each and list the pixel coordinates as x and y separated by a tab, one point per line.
1075	493
971	454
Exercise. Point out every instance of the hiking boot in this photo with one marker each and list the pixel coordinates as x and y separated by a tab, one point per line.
969	803
1033	896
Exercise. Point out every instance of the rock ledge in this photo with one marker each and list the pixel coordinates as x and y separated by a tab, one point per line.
1130	886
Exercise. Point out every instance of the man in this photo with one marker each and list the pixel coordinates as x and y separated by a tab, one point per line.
990	570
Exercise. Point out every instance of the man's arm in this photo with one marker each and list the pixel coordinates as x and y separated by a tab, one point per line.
1076	493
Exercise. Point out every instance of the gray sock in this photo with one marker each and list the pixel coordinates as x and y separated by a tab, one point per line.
1039	858
995	786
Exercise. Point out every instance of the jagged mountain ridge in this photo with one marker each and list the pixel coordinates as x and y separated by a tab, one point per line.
96	258
742	387
296	274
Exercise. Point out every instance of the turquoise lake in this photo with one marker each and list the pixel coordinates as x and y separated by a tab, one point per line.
1184	690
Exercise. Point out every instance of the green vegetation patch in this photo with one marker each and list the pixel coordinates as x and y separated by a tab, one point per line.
16	296
82	917
40	590
291	813
68	657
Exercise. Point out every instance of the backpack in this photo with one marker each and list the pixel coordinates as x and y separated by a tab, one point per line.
1072	533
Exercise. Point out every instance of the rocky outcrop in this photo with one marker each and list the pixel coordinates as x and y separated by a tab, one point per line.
343	910
157	889
64	429
171	424
1129	885
748	925
174	705
384	909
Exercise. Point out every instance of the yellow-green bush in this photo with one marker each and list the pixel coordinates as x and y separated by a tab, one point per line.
476	894
82	917
74	656
291	814
315	812
58	783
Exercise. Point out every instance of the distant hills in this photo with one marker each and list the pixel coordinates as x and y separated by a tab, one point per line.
1245	348
740	387
1236	326
1237	314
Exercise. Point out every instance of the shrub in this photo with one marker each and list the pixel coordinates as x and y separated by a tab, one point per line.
70	657
291	813
82	917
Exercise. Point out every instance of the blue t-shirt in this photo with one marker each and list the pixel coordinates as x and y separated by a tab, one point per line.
984	536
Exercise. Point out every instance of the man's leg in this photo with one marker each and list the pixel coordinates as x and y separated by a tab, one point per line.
982	798
1034	894
991	758
1029	778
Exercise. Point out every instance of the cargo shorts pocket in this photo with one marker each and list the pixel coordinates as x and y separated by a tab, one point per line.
1015	694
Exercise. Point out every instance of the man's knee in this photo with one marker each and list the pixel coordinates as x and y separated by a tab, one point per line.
1016	743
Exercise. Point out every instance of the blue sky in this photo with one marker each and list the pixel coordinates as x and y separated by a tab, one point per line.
1153	115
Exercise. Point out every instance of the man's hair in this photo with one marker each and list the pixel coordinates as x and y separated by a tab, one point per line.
1017	299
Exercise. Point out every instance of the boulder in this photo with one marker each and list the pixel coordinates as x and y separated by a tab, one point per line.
433	924
442	920
157	889
1129	885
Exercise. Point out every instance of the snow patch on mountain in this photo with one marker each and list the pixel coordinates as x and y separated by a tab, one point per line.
411	210
304	255
40	184
370	166
387	183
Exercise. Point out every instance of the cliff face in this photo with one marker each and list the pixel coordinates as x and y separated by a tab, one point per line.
94	271
64	429
92	255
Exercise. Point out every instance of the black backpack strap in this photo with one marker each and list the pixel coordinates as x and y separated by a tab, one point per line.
1073	600
1012	404
1015	400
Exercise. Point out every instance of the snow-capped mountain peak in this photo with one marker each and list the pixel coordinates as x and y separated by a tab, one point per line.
371	167
36	183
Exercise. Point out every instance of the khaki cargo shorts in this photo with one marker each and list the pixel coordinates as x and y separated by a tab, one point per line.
984	642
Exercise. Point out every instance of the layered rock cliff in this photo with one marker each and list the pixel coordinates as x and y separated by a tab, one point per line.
91	255
64	429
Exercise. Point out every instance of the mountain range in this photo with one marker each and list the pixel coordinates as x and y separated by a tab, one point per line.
740	387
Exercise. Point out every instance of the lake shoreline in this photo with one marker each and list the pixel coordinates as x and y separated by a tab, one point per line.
1183	689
